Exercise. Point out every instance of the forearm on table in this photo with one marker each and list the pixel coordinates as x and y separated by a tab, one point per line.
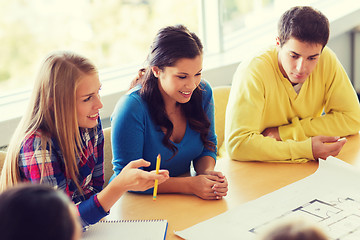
176	185
333	124
203	164
260	148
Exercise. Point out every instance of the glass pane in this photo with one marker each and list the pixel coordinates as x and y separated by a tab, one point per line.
112	33
237	13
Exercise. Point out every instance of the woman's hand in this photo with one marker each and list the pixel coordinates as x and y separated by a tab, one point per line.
134	179
130	178
210	185
221	187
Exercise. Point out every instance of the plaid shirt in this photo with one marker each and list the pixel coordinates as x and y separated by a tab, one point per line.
91	173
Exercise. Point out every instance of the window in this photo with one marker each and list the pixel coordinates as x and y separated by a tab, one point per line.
238	14
116	36
113	34
238	21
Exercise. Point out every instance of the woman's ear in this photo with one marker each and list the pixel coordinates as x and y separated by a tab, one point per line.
156	71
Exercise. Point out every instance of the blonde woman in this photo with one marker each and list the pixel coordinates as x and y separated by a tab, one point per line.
59	140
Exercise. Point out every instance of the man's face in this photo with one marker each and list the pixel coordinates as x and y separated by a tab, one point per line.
298	59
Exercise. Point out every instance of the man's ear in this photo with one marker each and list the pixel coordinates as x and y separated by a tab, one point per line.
156	71
277	42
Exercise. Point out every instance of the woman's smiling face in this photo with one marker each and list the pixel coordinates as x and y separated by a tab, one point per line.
88	101
177	83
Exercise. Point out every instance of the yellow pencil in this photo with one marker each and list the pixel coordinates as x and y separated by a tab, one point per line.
158	160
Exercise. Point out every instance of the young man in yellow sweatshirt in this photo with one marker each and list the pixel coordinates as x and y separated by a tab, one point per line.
288	102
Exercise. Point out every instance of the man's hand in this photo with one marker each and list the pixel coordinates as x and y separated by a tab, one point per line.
323	146
272	132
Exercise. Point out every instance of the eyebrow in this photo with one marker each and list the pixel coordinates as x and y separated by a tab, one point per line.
187	73
87	95
315	55
90	94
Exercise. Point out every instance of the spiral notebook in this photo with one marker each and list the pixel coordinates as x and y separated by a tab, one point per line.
127	229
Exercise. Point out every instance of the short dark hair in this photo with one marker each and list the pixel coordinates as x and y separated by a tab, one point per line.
35	211
294	228
304	23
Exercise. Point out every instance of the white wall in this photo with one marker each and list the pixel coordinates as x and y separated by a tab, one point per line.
341	45
356	61
221	75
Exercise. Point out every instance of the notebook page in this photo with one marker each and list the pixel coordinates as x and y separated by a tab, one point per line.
127	229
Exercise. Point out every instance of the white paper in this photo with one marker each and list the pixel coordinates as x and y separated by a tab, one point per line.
333	186
127	229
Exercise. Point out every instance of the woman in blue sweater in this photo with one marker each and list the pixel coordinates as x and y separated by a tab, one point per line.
169	110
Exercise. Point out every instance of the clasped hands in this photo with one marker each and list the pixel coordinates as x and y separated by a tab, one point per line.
210	185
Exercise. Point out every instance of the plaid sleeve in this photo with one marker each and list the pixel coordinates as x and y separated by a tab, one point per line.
31	166
32	163
98	174
92	161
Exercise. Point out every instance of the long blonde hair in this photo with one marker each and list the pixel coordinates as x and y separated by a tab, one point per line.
52	109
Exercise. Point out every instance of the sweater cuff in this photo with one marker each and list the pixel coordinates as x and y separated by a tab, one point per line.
301	151
91	211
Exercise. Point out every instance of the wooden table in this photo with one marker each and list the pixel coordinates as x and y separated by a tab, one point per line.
247	181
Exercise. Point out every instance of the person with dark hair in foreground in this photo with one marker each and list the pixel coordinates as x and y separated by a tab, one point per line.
292	228
37	211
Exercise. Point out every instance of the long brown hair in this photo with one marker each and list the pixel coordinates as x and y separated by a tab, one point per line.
171	44
52	110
